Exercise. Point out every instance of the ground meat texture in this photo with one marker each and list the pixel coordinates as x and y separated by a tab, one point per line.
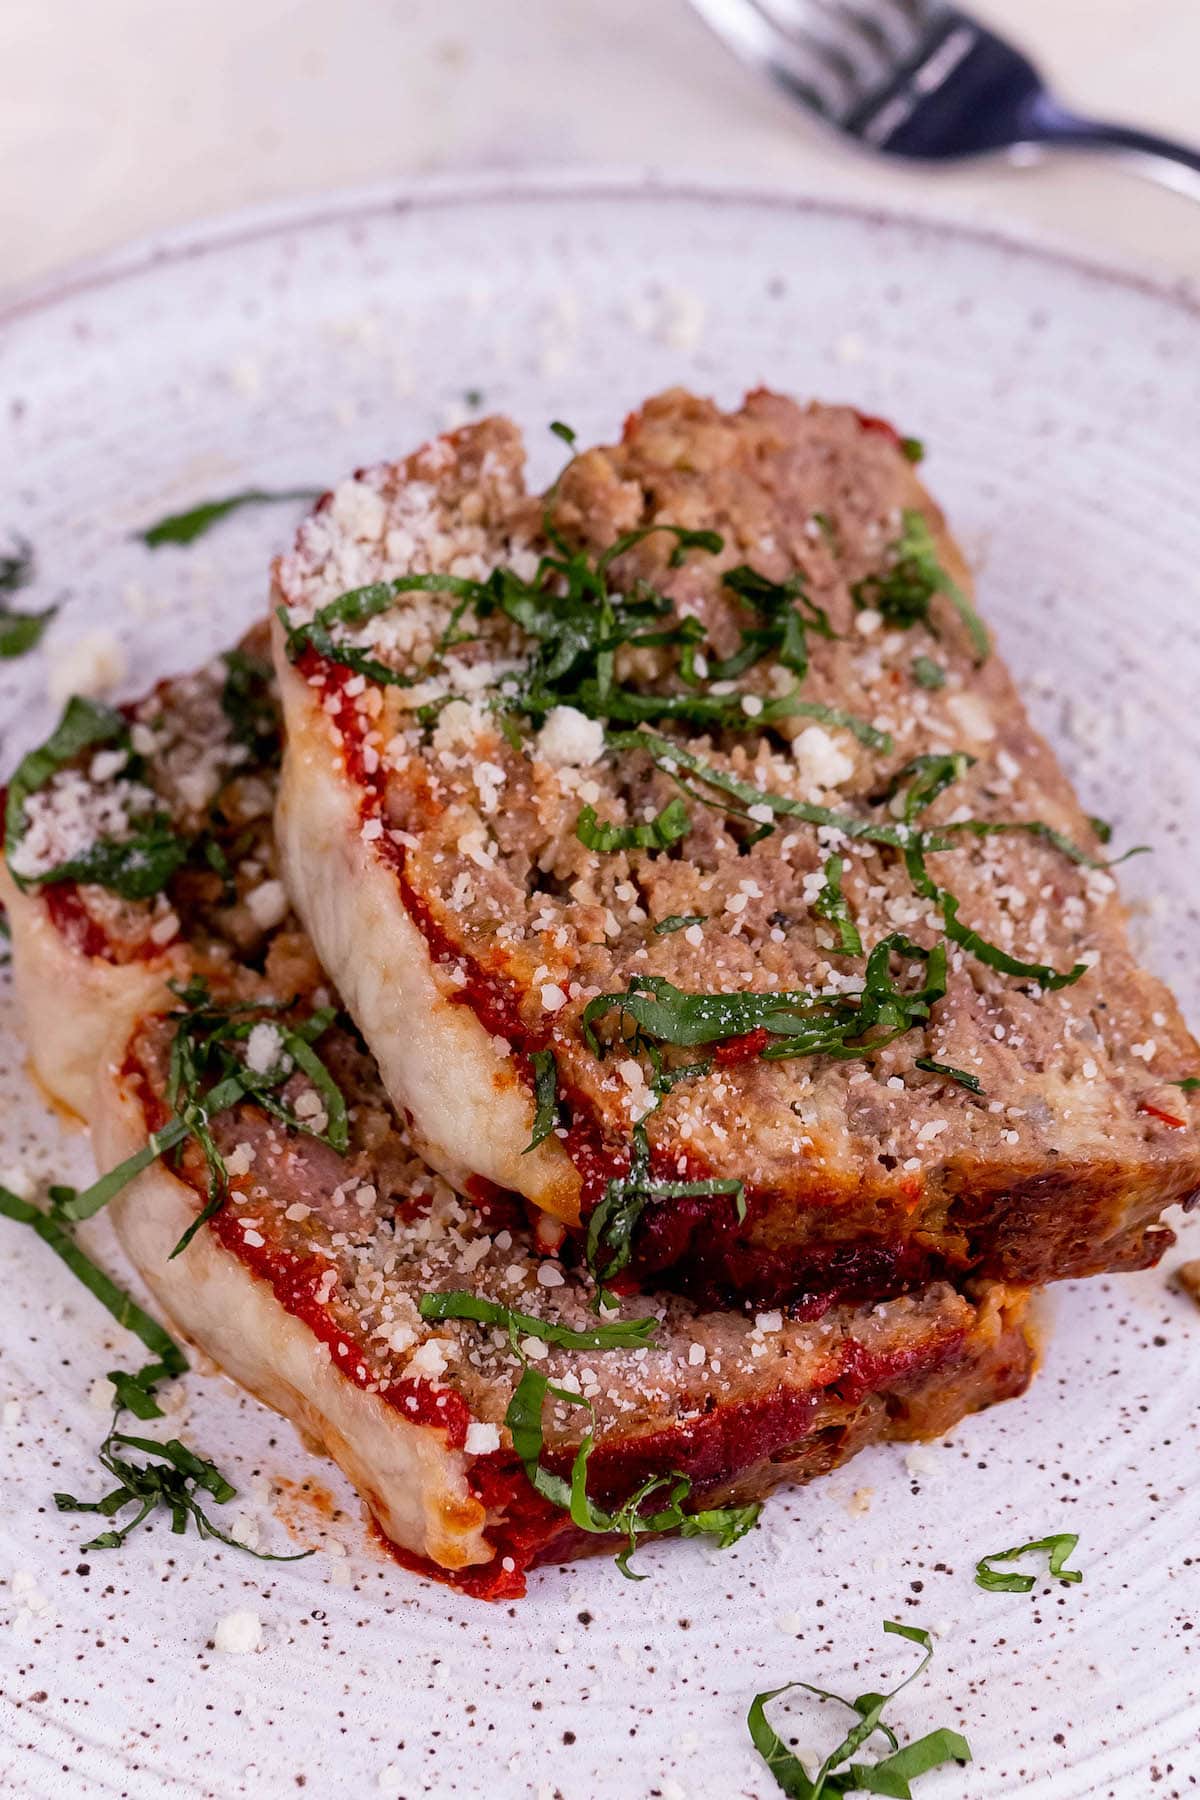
862	1176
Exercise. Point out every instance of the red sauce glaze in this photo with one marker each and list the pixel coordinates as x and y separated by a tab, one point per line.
499	1207
746	1048
598	1162
870	422
490	996
72	920
726	1268
1167	1118
70	917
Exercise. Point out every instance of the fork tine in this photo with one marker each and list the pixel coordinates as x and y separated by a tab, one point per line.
802	26
760	42
886	33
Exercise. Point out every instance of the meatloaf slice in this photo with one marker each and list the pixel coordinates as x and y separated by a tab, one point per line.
306	1288
306	1284
694	801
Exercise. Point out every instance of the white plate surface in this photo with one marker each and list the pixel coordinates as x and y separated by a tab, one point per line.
1062	411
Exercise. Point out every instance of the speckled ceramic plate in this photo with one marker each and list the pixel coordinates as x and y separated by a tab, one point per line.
1061	406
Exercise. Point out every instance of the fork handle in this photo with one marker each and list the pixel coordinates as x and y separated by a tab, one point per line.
1161	158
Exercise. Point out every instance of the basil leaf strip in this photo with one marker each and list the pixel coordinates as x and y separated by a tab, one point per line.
670	758
173	1483
136	867
666	1014
631	1520
21	632
185	527
359	606
928	674
671	824
970	1082
931	775
831	904
678	922
614	1221
200	1053
123	1308
789	615
837	1774
84	723
996	958
173	1477
545	1094
16	567
970	940
1057	1549
903	591
248	704
1189	1083
626	1334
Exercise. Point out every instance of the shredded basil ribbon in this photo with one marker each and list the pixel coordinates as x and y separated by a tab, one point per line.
963	1078
666	828
928	674
831	904
179	1472
124	1309
914	575
614	1221
670	758
969	939
577	632
807	1022
678	922
545	1094
625	1334
20	632
185	527
523	1419
204	1080
84	723
173	1477
725	1524
837	1774
1057	1549
135	867
788	615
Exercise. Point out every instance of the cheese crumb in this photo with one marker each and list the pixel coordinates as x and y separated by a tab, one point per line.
238	1633
481	1439
429	1359
819	759
268	904
264	1047
569	739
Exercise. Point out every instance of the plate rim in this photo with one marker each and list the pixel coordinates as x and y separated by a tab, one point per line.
535	185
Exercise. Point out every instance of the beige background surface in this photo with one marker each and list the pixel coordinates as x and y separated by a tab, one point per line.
129	115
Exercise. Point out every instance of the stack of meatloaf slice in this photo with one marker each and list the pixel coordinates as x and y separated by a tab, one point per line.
705	1015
